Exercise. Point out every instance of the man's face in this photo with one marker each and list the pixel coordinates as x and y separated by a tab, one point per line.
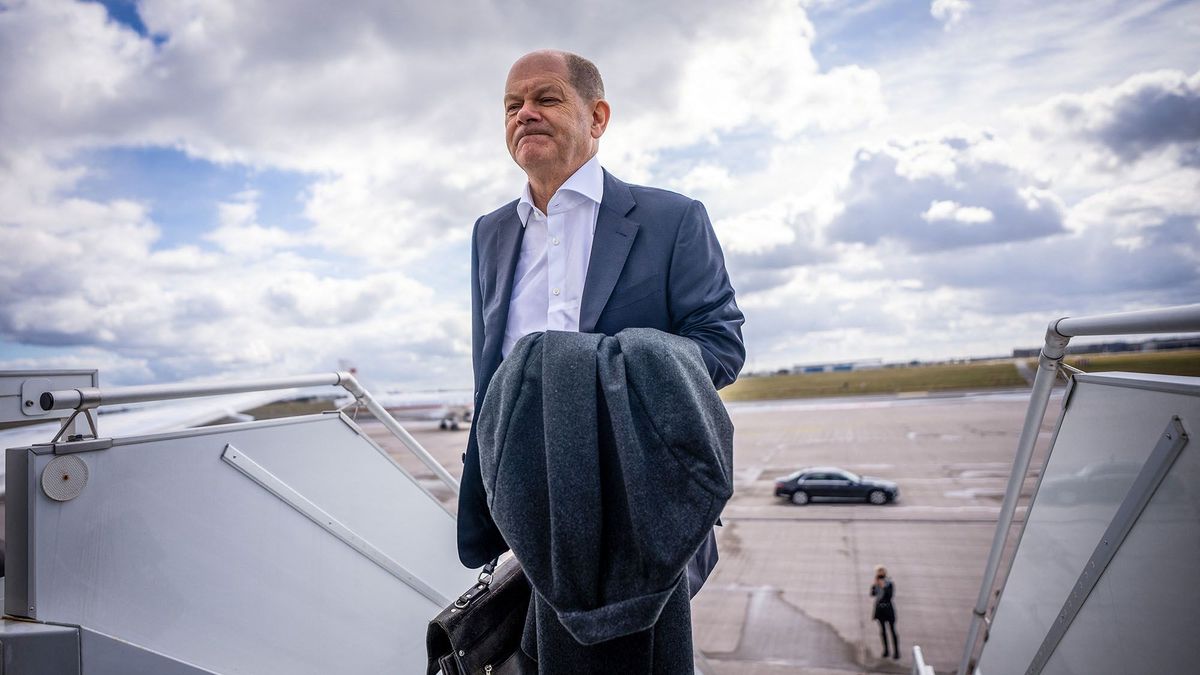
550	130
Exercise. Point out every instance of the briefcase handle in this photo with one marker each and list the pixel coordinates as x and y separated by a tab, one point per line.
485	580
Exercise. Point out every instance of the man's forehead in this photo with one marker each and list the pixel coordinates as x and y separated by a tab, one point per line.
536	68
543	61
533	87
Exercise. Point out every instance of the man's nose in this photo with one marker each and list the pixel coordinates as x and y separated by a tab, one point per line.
528	113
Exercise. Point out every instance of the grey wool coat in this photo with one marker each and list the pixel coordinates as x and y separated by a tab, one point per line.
606	461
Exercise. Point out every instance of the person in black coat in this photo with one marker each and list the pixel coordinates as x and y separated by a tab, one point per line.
885	612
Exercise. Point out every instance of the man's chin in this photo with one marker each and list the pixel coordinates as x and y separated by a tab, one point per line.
534	158
534	145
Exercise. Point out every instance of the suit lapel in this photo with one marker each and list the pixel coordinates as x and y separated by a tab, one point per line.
610	247
506	249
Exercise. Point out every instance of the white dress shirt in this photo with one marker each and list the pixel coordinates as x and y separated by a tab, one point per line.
548	284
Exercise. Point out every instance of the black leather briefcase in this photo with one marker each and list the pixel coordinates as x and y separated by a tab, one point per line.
480	632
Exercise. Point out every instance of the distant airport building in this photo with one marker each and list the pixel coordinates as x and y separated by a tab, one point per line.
841	367
1115	347
1164	345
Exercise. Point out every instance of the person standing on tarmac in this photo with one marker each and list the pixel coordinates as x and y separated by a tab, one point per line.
885	613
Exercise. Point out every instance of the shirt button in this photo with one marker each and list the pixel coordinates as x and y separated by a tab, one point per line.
555	240
555	291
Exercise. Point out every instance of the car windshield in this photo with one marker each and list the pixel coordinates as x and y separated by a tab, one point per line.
852	477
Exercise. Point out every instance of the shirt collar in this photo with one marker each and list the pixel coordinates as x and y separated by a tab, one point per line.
587	181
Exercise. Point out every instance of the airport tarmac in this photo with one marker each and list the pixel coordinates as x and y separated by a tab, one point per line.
790	594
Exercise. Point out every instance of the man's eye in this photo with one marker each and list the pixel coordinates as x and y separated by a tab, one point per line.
512	108
548	100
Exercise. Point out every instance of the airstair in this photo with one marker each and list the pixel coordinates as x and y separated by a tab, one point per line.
279	546
1104	574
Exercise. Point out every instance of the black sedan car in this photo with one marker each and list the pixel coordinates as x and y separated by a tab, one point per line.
824	482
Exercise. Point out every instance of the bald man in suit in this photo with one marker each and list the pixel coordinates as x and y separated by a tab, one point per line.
581	250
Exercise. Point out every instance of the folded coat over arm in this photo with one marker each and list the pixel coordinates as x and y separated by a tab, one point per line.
606	462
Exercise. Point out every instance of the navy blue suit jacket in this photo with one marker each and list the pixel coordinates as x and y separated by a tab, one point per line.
655	263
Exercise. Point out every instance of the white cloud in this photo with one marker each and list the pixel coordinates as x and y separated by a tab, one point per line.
925	160
94	276
745	66
705	177
68	74
755	232
238	232
950	210
1146	114
403	130
1034	51
766	247
911	191
949	12
1129	208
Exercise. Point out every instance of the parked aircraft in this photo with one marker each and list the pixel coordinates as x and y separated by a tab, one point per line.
449	407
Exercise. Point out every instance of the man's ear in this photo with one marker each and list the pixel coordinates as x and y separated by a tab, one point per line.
600	115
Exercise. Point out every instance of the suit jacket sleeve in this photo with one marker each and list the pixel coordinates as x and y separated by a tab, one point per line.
476	307
479	540
701	298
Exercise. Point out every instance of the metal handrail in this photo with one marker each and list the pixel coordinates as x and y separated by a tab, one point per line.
919	665
94	397
1182	319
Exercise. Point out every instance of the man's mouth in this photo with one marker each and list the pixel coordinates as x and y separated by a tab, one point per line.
527	134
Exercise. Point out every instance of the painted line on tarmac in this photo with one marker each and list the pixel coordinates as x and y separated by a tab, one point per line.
731	519
946	515
807	666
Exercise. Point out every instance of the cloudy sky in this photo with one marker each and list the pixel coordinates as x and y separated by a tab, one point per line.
193	189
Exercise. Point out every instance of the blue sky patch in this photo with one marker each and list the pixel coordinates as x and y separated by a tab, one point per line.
868	31
743	150
125	12
183	192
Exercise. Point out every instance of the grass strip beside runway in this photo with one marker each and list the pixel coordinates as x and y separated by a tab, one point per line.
877	381
946	377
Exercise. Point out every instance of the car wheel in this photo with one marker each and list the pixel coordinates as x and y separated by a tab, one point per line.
877	497
800	497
